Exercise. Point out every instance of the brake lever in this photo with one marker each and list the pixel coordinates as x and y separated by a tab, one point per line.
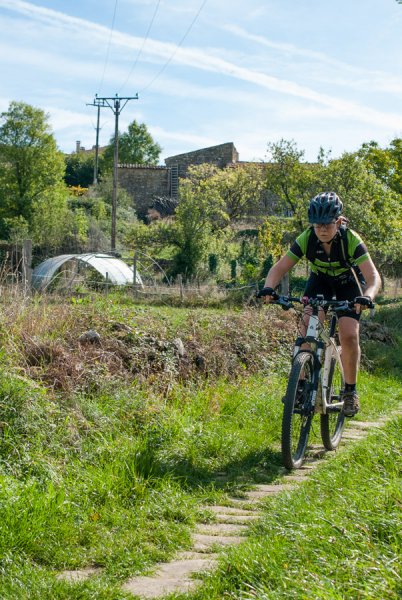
286	305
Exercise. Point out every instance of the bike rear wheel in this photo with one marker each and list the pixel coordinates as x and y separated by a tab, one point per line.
332	423
297	411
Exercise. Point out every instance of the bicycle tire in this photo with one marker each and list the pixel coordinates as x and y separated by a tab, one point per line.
332	423
297	411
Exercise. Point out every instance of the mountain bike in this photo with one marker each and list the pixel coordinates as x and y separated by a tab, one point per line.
315	381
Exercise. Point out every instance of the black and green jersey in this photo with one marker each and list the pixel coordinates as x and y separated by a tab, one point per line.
307	244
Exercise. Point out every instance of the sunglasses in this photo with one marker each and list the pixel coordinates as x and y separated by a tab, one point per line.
324	225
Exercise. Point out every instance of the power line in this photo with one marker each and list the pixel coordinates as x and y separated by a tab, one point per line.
143	44
109	44
169	60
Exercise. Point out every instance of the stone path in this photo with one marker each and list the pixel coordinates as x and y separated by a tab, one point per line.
230	527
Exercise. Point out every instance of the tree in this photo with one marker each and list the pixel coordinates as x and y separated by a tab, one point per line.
385	163
136	146
240	188
55	226
291	181
367	182
199	217
98	204
30	164
195	230
80	169
374	209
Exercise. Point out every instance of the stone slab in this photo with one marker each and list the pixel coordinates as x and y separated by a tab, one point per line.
79	574
232	510
242	519
367	424
171	577
203	543
221	528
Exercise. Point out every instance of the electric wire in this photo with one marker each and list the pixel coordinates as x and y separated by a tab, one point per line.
108	46
169	60
142	45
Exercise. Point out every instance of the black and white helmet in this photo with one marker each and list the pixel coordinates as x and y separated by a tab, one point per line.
324	208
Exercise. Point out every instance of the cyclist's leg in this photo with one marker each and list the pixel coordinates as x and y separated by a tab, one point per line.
350	354
347	289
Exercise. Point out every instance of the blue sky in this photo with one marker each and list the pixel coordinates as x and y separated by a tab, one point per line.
320	72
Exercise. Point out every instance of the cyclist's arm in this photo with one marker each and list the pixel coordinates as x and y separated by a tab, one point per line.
372	278
278	271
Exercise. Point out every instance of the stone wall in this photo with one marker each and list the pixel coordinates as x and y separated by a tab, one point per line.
221	156
144	184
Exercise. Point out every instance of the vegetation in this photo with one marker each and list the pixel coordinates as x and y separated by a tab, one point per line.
337	536
223	212
229	225
136	147
80	167
111	443
109	450
31	168
35	202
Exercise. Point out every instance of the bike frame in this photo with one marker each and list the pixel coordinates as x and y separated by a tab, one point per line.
314	379
321	341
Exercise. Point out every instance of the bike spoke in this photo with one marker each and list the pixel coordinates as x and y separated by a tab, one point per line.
333	422
298	410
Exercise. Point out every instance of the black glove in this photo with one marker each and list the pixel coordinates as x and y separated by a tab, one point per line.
267	291
364	301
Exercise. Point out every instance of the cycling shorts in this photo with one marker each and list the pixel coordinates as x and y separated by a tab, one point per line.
343	287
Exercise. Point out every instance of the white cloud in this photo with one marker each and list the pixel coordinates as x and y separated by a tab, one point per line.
196	58
193	140
352	76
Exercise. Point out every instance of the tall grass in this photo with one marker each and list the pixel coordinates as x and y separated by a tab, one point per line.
338	536
115	475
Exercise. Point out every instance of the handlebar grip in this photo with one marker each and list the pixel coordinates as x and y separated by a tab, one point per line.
364	301
267	292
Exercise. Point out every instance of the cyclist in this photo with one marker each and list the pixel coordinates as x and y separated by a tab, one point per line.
340	266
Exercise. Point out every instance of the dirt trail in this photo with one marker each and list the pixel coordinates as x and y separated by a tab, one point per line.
230	527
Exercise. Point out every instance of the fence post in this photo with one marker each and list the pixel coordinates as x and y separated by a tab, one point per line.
135	272
26	265
180	281
107	284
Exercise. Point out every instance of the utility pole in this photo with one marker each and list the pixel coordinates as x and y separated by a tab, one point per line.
116	104
97	102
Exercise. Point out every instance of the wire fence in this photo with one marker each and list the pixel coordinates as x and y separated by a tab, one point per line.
152	285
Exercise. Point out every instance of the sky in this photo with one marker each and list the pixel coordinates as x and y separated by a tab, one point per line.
323	73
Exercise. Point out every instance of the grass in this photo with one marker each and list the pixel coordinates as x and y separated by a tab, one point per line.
338	536
114	475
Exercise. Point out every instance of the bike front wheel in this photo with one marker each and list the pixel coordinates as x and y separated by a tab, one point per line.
333	422
298	411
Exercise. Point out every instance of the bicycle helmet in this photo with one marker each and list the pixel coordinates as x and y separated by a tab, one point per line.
324	208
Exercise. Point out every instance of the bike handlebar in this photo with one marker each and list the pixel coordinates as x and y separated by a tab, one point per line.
287	302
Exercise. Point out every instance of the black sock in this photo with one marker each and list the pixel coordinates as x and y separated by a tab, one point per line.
350	387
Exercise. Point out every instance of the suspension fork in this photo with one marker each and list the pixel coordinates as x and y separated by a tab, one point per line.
316	396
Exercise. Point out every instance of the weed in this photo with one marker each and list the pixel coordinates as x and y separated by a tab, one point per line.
108	451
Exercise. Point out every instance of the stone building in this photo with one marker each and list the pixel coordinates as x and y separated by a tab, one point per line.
145	184
149	185
221	156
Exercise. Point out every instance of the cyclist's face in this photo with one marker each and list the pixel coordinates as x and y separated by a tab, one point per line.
326	232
